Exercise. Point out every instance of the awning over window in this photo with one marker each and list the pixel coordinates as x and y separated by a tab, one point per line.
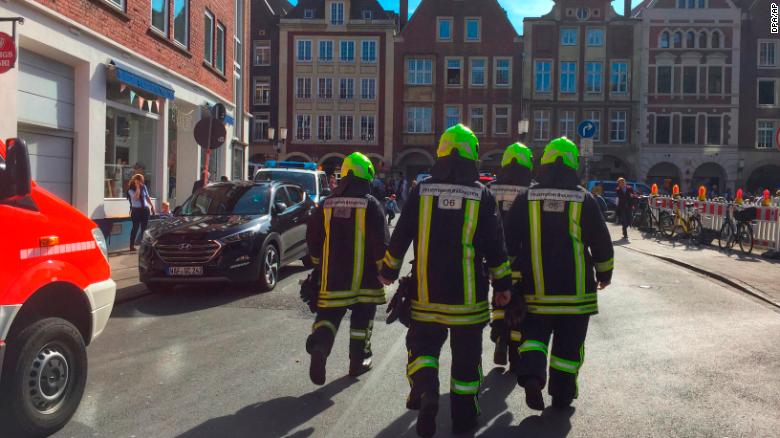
127	76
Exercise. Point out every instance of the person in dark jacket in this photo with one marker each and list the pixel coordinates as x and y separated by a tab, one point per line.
453	221
347	236
512	180
625	204
562	243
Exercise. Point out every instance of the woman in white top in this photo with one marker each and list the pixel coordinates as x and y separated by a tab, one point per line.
140	207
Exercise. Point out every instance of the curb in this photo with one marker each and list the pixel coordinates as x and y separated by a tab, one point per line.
736	284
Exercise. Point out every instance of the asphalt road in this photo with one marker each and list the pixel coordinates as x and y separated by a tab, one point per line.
670	354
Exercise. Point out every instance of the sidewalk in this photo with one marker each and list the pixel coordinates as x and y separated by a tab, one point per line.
124	271
751	274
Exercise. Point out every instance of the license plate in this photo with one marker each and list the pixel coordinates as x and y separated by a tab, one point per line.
182	271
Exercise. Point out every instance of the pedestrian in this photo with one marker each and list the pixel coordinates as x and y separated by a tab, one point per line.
140	207
458	238
332	182
165	210
625	204
391	206
512	180
202	181
347	236
565	253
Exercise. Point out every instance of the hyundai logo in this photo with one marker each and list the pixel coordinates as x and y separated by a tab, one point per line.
185	246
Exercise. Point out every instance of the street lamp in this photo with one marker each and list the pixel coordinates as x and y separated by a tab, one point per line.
522	126
280	142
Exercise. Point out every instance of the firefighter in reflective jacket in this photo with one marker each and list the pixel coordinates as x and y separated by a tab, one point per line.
453	222
347	237
565	254
513	180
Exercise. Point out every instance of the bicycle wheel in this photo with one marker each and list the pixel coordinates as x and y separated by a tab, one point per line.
726	237
695	229
745	237
666	223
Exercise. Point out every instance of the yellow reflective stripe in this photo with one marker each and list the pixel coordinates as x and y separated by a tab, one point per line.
567	366
464	388
482	306
516	336
501	271
535	221
450	319
497	314
351	293
390	261
605	266
560	299
315	260
358	334
324	323
421	362
423	235
328	212
517	275
575	232
467	239
563	310
337	303
532	345
360	246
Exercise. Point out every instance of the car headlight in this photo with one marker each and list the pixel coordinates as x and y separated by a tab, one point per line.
148	239
237	237
101	241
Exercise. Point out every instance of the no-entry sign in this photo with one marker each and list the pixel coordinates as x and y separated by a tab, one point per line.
7	52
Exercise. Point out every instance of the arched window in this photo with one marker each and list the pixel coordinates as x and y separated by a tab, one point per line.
715	40
703	40
677	40
690	40
663	41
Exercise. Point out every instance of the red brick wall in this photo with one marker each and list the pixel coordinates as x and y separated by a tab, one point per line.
132	29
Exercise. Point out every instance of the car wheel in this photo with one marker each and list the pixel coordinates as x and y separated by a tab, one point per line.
43	378
269	268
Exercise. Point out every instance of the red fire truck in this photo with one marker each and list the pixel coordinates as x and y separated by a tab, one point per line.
56	295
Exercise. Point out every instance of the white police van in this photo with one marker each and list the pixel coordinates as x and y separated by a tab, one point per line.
305	174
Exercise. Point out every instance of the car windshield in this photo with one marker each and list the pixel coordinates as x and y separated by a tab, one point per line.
223	200
304	179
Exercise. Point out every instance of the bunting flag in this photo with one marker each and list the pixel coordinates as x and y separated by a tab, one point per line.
141	101
157	105
122	88
132	96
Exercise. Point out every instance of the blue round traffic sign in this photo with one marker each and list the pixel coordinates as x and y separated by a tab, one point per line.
586	129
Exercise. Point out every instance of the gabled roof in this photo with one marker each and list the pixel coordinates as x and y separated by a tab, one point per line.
356	9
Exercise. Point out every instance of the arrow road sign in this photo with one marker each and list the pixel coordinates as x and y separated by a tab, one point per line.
586	129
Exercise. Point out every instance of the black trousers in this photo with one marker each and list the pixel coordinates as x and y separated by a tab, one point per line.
140	218
423	342
568	351
501	333
326	325
625	216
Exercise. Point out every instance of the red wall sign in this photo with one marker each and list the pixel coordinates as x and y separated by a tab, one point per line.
777	138
7	52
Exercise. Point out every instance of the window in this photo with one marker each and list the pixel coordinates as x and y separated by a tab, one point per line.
595	118
617	126
566	124
765	134
262	53
767	51
220	56
663	129
715	40
303	127
347	89
619	80
326	51
595	37
542	74
715	80
501	120
419	71
303	86
368	14
368	88
181	22
473	31
690	40
677	40
454	68
593	77
444	29
568	37
262	94
477	68
368	52
541	125
713	130
260	126
703	40
325	88
663	40
308	13
766	92
160	15
477	119
347	51
208	38
690	75
304	51
346	127
418	120
324	128
337	13
451	116
503	72
367	132
663	83
120	4
688	130
568	81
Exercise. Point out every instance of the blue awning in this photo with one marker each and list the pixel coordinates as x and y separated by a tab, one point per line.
129	77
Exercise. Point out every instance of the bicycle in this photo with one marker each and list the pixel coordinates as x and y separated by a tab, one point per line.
737	228
646	219
689	226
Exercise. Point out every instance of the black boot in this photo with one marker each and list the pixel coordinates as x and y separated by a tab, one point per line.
317	367
562	402
533	394
464	425
358	366
426	419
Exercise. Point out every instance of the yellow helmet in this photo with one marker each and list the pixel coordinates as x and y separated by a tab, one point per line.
360	166
518	153
562	148
459	139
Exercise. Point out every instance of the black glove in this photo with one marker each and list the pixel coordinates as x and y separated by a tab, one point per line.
515	311
400	306
310	290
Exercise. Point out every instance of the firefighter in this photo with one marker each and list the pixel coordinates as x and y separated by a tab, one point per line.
565	254
347	237
513	180
458	238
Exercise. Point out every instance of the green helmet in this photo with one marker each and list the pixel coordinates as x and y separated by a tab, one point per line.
565	149
461	139
518	153
360	166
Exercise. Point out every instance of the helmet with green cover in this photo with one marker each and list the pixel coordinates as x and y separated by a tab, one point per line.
518	153
359	165
461	140
564	149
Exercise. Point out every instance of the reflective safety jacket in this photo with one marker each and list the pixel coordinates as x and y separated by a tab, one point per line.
505	195
458	239
347	236
562	246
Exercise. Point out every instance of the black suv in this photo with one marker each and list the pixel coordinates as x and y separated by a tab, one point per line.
228	232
